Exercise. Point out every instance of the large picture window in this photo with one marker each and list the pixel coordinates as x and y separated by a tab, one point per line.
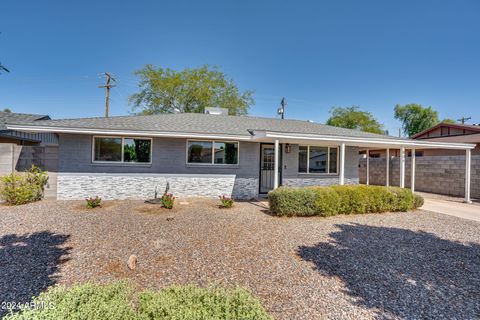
317	159
212	152
128	150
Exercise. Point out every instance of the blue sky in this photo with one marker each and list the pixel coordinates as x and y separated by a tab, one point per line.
317	54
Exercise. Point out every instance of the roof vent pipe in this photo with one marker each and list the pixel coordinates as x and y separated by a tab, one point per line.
216	111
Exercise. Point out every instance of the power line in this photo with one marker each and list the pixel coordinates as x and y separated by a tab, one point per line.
463	119
108	85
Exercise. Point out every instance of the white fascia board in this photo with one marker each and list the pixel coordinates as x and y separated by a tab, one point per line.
141	133
363	141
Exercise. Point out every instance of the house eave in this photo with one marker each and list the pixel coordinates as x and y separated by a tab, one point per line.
125	132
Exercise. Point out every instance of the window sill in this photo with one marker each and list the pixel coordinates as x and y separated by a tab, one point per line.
303	174
121	164
209	165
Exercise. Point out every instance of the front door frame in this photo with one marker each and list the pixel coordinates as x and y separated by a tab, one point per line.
279	164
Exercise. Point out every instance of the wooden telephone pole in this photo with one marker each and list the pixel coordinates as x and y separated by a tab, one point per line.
281	110
107	86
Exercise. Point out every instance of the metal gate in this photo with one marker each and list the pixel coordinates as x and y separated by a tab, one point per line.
267	167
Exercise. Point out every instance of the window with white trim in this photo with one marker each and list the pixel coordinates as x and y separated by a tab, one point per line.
122	150
312	159
212	152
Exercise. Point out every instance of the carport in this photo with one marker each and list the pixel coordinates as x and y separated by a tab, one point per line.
387	144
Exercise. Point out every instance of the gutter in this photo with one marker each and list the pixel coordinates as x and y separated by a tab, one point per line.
141	133
364	141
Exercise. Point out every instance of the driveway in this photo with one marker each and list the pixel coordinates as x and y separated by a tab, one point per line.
397	266
451	206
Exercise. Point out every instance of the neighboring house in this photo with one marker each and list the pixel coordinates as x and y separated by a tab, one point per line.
24	138
205	154
442	132
450	132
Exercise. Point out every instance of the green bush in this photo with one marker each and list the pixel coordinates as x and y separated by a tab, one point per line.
168	200
93	202
418	201
119	301
190	302
25	187
333	200
226	201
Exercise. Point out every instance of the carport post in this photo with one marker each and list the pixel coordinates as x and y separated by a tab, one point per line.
368	167
402	167
468	156
412	182
275	168
342	164
387	178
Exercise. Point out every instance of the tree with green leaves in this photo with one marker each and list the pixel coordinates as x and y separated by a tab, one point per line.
415	118
354	118
189	90
447	120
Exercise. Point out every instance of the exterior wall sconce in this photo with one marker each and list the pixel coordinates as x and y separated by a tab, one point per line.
288	148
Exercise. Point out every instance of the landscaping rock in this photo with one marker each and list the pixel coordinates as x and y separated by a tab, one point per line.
132	262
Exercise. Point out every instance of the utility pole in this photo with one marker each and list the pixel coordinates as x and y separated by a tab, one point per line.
281	110
463	119
107	86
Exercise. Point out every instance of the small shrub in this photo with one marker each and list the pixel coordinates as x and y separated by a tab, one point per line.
333	200
168	200
86	301
119	301
226	201
284	199
190	302
93	202
418	201
24	187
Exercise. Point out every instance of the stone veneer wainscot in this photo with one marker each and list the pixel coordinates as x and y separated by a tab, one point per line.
78	186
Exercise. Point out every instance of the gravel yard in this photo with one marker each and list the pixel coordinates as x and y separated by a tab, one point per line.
401	265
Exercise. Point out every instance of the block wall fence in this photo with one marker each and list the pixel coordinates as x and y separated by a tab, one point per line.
435	174
15	157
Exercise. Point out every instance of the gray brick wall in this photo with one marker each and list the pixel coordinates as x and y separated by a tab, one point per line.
81	178
290	165
168	156
436	174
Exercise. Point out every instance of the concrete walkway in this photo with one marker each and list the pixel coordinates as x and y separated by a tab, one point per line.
453	207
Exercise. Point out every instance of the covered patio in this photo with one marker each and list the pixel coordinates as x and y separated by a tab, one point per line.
387	144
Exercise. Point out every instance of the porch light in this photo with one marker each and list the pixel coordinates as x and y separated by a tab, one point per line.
288	148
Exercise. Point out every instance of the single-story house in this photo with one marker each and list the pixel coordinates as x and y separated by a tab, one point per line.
208	154
24	138
450	132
